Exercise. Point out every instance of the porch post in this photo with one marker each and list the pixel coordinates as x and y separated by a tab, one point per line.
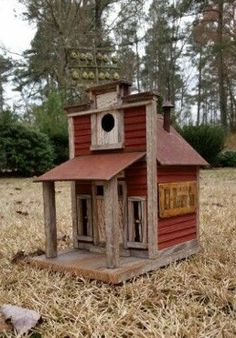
50	219
111	223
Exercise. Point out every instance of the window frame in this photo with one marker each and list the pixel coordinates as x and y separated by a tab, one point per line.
81	236
131	243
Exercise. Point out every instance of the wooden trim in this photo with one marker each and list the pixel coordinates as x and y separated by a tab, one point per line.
50	219
111	108
137	245
139	253
89	205
73	185
85	238
93	119
94	212
111	223
74	215
152	208
119	145
198	205
176	248
130	232
125	211
71	137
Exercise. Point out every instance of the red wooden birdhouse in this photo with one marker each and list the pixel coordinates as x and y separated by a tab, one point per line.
134	187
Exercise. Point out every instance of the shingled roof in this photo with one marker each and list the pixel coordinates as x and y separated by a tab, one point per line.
172	149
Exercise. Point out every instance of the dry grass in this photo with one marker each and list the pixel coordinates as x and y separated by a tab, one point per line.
193	298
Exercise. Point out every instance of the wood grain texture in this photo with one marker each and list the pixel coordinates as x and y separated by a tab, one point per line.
74	213
115	107
102	140
106	100
71	137
152	205
198	204
177	198
82	135
93	265
176	174
135	128
88	200
112	223
176	230
136	179
50	219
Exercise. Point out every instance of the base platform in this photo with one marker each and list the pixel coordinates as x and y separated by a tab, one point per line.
93	265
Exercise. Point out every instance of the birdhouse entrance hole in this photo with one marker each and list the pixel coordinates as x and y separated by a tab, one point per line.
108	122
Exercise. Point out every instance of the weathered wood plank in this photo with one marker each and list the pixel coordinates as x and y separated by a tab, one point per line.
111	108
71	137
50	219
152	207
112	223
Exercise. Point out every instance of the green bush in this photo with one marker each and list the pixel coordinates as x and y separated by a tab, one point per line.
226	159
23	150
207	140
60	146
51	120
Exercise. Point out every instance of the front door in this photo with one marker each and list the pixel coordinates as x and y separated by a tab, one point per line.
100	212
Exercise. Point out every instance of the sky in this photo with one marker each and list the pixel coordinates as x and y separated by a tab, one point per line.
15	36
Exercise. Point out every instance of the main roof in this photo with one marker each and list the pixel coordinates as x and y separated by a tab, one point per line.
172	149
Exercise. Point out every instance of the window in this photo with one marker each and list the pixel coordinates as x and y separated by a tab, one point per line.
84	217
137	232
99	190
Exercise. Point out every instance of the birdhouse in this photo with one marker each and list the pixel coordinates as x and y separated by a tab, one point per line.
134	187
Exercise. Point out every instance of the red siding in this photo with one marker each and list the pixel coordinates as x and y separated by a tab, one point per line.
176	230
84	188
176	174
82	135
135	129
136	179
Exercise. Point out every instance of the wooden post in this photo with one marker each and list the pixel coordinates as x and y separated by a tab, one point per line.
111	223
50	219
152	208
74	213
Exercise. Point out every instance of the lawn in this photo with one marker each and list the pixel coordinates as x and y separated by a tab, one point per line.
193	298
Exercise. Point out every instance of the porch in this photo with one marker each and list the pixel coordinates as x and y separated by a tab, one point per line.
90	265
87	235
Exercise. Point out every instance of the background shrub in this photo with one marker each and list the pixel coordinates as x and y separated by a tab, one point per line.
24	150
207	140
226	159
51	120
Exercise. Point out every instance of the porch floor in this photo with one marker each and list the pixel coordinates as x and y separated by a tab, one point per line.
93	265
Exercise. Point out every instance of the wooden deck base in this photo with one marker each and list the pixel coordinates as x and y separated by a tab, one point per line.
93	265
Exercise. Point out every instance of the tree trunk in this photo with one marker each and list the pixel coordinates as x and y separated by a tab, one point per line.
221	70
1	99
199	97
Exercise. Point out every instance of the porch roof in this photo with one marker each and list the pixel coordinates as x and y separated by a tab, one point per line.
91	167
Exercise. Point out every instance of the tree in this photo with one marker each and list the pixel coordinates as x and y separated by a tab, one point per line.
5	67
216	35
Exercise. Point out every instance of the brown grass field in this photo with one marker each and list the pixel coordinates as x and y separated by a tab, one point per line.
192	298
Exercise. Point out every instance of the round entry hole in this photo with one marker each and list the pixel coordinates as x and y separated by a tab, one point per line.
108	122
